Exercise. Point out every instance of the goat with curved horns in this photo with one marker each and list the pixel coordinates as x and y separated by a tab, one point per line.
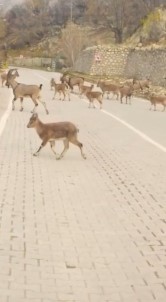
51	132
23	90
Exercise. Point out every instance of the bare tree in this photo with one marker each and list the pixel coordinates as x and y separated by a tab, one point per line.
73	40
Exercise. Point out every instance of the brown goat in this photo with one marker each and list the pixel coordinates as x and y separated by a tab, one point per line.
51	132
126	91
142	83
156	99
109	87
94	95
3	77
84	89
62	89
72	81
24	90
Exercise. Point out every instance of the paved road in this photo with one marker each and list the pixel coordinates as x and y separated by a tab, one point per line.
83	230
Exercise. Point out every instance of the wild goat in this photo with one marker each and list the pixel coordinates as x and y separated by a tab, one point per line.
72	81
61	88
142	83
126	91
51	132
94	95
109	87
156	99
3	77
24	90
52	83
84	89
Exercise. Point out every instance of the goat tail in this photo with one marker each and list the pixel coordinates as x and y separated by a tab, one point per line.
40	87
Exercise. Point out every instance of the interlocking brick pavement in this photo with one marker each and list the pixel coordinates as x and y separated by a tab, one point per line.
76	230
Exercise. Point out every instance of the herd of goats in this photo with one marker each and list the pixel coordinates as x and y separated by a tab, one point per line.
121	91
68	82
67	131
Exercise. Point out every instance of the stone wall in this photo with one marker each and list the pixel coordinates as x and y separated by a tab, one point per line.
147	63
112	60
124	62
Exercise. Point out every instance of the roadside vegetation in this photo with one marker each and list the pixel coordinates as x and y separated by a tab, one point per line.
62	29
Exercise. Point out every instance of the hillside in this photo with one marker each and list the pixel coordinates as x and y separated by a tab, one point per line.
151	33
152	30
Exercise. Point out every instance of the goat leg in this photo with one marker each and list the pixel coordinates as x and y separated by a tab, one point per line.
52	145
44	105
78	144
66	147
21	100
37	152
34	109
41	146
13	106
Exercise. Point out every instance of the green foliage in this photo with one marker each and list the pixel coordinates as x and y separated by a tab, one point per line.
3	28
153	17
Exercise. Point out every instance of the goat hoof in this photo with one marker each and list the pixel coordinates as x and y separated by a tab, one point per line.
35	154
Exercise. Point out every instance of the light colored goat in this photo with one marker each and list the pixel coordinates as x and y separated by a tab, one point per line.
62	89
142	83
109	87
126	91
3	78
51	132
94	95
156	99
23	90
84	89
